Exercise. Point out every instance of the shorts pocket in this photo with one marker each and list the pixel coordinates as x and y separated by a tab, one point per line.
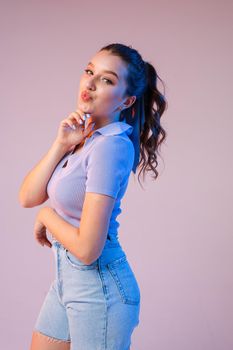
78	264
125	280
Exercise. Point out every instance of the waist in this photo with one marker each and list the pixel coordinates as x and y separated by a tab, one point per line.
112	250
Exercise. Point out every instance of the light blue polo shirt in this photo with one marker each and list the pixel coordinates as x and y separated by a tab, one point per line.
103	165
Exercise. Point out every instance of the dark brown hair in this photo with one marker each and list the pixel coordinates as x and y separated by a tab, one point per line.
142	82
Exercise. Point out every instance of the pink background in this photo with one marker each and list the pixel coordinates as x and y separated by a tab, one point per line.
178	231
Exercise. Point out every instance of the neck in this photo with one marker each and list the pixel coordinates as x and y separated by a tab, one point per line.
101	121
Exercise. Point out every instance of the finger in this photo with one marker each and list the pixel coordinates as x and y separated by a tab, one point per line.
81	121
40	242
72	119
48	244
69	122
77	119
44	241
77	116
80	113
40	239
80	118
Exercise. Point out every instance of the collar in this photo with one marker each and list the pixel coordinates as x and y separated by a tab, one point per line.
115	128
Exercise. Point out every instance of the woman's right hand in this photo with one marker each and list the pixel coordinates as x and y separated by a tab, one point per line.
68	136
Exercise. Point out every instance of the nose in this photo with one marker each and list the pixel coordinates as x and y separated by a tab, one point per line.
90	84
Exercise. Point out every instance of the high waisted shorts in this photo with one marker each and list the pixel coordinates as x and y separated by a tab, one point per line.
95	306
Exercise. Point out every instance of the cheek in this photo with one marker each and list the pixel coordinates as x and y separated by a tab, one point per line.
111	95
83	81
109	101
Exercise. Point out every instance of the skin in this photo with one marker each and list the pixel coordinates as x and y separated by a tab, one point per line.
87	241
107	97
43	342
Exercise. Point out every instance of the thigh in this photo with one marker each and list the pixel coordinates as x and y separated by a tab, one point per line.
102	304
52	319
41	341
85	303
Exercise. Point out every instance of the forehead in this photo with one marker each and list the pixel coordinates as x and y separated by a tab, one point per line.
104	60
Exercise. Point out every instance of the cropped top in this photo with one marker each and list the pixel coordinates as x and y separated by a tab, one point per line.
103	165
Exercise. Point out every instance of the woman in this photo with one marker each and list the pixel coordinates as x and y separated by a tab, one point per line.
94	301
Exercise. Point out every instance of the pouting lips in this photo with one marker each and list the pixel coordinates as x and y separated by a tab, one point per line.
85	96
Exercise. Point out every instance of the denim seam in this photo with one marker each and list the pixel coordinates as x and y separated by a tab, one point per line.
59	280
117	261
58	296
105	293
116	278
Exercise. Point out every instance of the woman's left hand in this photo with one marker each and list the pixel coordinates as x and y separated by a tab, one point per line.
40	232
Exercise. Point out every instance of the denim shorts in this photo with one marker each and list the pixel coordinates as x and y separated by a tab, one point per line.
95	306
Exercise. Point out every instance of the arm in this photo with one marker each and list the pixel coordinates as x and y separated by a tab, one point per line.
33	189
109	163
87	241
94	224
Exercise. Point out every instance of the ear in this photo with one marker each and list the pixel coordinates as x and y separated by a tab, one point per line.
129	101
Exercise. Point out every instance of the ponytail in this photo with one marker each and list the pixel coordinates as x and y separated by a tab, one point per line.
146	112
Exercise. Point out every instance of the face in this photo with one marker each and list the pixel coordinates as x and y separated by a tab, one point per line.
106	89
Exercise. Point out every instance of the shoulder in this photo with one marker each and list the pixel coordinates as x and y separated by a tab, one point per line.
111	149
114	145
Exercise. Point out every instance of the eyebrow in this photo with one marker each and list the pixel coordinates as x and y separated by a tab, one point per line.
106	71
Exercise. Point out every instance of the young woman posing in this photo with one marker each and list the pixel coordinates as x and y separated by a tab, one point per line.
94	301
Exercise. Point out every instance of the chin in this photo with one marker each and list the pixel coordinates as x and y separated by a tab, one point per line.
85	107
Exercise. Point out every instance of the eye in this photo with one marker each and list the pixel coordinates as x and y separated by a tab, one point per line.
87	70
108	81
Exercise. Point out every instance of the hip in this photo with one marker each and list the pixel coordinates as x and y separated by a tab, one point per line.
109	279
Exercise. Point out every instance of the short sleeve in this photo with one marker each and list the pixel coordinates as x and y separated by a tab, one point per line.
109	164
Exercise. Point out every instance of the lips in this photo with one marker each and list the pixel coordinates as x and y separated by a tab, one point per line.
86	96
